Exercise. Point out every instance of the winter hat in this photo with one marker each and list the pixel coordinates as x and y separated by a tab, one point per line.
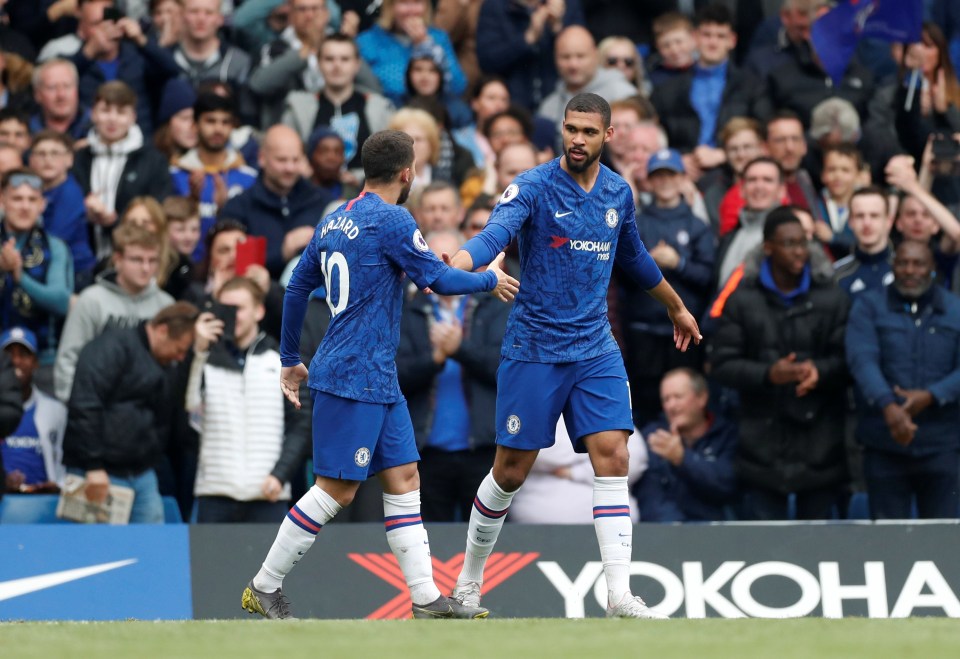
320	133
178	94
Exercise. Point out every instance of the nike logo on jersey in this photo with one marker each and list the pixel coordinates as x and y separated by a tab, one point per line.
558	214
18	587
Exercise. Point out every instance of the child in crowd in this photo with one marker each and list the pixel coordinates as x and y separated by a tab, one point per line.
183	230
842	165
682	246
676	47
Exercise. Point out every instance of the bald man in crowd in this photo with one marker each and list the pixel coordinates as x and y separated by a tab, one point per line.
578	63
282	205
513	160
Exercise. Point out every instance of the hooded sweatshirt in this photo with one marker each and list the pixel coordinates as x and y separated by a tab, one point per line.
105	171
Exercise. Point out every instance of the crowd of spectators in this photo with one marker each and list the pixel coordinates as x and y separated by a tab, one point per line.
163	164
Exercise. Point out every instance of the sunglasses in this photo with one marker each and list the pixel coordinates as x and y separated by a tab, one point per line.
16	180
626	61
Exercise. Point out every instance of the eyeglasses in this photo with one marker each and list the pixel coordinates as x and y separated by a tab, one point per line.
626	61
16	180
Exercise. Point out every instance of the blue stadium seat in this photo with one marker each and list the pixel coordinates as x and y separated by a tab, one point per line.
859	506
30	509
171	511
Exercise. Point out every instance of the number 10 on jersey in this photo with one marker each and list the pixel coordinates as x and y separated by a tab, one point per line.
336	261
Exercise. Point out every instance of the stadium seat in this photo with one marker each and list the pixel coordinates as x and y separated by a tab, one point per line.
859	506
171	511
30	509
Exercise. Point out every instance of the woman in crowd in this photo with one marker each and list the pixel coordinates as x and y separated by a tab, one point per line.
176	132
620	53
425	82
423	128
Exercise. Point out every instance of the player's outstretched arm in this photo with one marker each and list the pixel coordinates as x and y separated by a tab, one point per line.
290	379
685	326
507	286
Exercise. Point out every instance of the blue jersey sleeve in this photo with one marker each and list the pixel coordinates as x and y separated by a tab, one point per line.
307	276
458	282
633	256
517	204
405	247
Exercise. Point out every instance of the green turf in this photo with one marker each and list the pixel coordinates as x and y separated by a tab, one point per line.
852	638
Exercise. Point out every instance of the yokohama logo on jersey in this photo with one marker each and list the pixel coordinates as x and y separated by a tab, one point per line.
580	245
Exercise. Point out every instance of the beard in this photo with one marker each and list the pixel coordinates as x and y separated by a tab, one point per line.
580	167
214	143
404	193
914	292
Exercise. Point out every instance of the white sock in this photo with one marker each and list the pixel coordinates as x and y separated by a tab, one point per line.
611	519
408	542
297	533
486	519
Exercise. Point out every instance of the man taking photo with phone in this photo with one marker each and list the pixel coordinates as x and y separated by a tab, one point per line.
252	440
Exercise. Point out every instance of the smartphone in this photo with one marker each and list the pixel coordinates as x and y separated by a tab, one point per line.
112	14
252	251
227	313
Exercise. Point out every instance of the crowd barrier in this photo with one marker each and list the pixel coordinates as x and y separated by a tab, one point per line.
176	572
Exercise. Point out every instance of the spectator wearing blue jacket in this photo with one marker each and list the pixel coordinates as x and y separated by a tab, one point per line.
387	46
683	247
903	350
36	270
282	206
690	476
65	217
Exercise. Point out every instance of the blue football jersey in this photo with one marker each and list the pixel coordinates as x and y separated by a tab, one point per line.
568	241
359	253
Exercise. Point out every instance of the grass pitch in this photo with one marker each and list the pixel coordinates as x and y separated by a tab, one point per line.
852	638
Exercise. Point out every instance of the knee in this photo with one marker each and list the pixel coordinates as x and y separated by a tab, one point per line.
344	499
509	477
613	462
339	491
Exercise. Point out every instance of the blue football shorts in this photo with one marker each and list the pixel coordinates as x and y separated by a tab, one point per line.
593	395
353	440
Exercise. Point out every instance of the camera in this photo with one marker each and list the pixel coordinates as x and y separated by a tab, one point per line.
112	14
